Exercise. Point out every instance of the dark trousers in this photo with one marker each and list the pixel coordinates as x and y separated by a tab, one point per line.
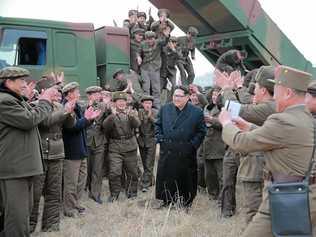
186	72
214	176
16	199
50	186
118	162
228	193
95	172
148	159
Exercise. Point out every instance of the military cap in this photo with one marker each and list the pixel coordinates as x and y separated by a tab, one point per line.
119	95
264	76
164	11
118	71
147	97
311	89
184	88
173	39
45	82
132	12
13	73
136	30
292	78
150	34
193	31
93	89
141	14
70	86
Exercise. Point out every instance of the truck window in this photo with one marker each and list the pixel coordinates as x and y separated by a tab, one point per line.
22	47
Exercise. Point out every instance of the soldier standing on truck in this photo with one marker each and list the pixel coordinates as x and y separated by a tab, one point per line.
187	45
149	59
131	22
49	184
137	38
160	26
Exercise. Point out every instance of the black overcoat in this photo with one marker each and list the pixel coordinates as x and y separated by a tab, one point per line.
180	134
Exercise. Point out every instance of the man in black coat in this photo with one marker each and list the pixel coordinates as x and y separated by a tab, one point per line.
180	129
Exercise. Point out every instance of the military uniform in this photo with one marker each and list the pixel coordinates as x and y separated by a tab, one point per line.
231	159
20	155
231	59
118	84
250	171
287	140
150	67
168	71
128	24
213	153
134	49
185	65
96	142
120	128
146	25
147	143
158	27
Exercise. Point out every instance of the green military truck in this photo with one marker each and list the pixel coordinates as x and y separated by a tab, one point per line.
90	55
85	54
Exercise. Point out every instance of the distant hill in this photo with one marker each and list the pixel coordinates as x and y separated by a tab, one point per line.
204	80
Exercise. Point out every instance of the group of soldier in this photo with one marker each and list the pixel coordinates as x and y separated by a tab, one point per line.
156	55
55	146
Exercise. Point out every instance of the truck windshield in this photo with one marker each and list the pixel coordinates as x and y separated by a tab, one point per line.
22	47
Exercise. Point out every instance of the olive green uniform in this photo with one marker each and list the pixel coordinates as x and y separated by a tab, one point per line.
184	64
147	145
150	68
213	153
20	159
50	183
122	151
96	142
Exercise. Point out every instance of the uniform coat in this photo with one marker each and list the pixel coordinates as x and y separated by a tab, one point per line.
287	140
180	134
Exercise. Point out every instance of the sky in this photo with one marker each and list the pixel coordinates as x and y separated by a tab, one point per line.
295	18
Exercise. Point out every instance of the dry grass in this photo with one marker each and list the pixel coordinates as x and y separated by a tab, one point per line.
138	218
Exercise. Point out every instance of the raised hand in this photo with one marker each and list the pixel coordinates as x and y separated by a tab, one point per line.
236	78
29	90
50	94
70	106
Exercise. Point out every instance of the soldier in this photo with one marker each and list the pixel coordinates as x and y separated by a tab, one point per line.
138	35
141	20
96	141
233	58
286	138
213	145
50	183
231	158
20	153
131	22
76	151
168	72
187	45
162	24
146	140
119	128
250	171
119	82
149	59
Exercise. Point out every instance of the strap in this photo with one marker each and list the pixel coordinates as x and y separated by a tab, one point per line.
311	164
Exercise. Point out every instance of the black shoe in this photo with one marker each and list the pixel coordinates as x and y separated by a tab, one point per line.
228	214
112	199
81	209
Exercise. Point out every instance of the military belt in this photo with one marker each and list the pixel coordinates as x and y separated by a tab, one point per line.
282	178
122	137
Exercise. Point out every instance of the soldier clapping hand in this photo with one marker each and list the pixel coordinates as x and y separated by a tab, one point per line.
91	114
